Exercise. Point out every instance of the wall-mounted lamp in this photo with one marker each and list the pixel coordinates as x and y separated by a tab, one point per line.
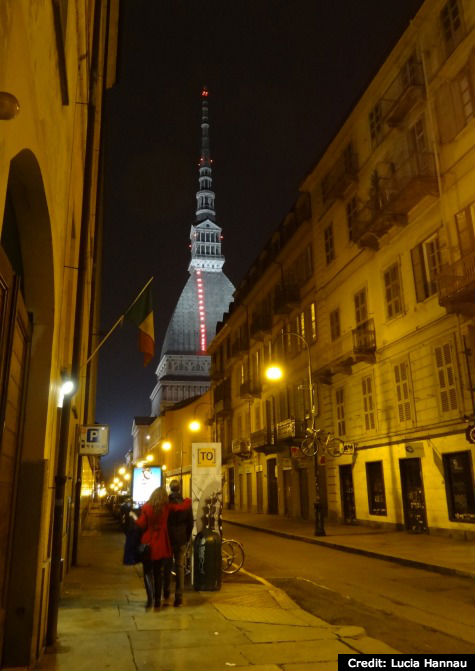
66	389
9	106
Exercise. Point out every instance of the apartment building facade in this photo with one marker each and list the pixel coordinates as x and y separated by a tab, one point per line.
387	310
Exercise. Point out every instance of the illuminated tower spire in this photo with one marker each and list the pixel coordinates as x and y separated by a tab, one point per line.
205	235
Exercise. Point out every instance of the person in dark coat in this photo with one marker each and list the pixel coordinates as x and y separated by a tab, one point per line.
180	526
153	522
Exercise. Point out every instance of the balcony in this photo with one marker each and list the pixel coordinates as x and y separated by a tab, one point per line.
261	326
351	348
290	430
264	441
342	175
222	399
285	299
250	389
241	447
394	196
403	94
456	284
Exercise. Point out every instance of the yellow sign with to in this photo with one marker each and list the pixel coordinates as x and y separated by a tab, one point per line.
206	457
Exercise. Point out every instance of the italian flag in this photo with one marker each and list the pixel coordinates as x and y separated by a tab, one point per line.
141	314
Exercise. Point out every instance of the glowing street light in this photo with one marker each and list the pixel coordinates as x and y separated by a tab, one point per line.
149	458
194	425
121	470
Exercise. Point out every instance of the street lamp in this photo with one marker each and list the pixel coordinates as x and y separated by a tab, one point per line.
167	446
275	373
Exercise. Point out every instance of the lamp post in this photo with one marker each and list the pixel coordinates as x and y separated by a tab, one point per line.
275	373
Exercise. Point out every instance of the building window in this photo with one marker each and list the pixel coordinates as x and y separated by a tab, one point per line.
446	377
426	265
368	402
361	307
376	125
335	324
455	104
313	321
451	25
459	486
403	394
257	416
340	411
376	493
351	209
464	223
393	291
329	243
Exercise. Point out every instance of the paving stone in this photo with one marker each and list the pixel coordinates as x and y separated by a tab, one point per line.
256	667
283	599
308	618
153	621
368	645
190	659
93	620
186	638
267	633
286	653
90	653
269	615
350	632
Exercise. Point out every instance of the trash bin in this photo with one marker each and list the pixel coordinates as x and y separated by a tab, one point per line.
207	561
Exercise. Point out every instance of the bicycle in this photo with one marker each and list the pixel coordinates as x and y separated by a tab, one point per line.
318	440
232	556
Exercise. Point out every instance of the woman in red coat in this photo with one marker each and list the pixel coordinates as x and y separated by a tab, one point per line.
153	520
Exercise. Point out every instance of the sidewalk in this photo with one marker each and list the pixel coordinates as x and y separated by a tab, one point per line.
435	553
248	625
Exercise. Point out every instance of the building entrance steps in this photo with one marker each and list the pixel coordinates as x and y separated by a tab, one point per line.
248	624
435	553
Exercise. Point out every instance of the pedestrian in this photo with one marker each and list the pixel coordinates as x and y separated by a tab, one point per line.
180	526
153	522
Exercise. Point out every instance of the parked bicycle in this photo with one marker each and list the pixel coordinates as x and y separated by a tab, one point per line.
232	556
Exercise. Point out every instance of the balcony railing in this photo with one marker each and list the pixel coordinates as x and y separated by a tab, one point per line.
264	441
241	447
403	94
290	430
261	325
239	346
394	196
250	389
286	298
342	175
456	284
354	346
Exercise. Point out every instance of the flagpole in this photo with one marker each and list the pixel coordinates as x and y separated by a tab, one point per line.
119	321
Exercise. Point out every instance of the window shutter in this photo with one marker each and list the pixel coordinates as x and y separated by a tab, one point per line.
402	391
419	275
446	378
445	114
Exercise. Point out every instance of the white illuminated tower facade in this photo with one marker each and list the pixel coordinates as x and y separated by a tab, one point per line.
183	371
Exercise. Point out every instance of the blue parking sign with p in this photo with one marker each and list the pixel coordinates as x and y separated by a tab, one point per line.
94	440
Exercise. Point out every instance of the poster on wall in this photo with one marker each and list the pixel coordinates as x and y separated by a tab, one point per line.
144	481
206	492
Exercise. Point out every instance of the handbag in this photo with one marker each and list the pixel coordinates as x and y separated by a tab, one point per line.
143	552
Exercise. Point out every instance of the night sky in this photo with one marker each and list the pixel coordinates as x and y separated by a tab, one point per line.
282	77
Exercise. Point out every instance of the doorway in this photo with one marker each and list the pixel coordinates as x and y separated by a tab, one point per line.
303	488
272	491
287	492
231	488
415	518
259	492
249	491
347	493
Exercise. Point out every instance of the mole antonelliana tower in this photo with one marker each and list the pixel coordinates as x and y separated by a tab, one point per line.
183	371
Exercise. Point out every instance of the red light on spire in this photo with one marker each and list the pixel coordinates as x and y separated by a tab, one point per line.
204	92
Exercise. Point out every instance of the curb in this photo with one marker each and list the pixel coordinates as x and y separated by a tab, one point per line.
445	570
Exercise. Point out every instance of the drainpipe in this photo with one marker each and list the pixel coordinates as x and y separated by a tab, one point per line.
65	414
